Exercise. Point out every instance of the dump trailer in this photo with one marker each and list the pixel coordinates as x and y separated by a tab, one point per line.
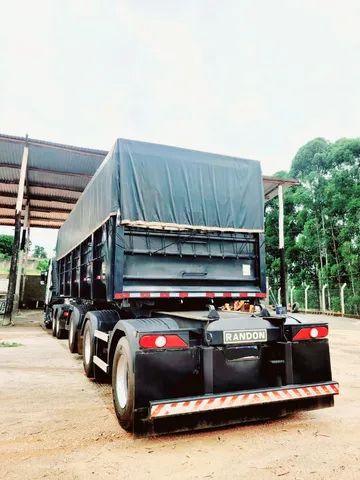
158	281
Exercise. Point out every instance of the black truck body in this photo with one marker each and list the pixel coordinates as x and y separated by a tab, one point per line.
159	240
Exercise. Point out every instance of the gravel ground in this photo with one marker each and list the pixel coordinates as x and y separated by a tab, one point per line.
55	423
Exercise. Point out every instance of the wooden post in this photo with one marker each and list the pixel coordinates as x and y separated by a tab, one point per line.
17	234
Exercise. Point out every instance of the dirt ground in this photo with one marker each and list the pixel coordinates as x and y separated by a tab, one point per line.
55	423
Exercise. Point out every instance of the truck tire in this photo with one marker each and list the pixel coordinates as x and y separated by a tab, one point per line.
60	332
73	334
75	323
123	385
53	323
88	350
91	370
47	317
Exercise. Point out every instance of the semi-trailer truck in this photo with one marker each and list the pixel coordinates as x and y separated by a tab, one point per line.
160	239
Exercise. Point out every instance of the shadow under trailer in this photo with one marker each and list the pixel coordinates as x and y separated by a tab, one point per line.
159	241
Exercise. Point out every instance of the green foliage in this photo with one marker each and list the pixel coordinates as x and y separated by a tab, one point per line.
322	219
39	252
6	243
43	265
4	344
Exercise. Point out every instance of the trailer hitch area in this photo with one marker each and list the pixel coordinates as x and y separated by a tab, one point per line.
279	321
213	316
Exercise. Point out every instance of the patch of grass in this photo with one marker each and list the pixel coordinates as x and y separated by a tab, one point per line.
10	344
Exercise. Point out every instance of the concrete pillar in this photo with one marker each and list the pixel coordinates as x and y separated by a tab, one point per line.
26	256
17	234
306	297
323	306
342	288
292	295
21	260
282	247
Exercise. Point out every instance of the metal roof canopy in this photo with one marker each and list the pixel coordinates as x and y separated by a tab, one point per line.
40	182
56	175
272	184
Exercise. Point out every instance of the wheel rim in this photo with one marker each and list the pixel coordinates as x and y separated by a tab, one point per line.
87	347
122	381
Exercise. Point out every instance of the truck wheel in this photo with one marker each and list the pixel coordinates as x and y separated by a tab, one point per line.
47	318
88	351
73	336
60	332
91	370
123	385
53	324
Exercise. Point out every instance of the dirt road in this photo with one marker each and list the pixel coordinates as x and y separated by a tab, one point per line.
55	423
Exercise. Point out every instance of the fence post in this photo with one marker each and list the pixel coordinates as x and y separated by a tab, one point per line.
268	295
342	288
279	296
323	297
306	297
292	295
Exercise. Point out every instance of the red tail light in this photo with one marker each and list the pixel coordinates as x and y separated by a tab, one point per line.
311	333
162	341
66	313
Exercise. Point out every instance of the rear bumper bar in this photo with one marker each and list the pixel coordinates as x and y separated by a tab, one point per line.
205	403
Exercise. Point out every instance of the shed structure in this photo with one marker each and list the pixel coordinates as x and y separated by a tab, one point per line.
40	182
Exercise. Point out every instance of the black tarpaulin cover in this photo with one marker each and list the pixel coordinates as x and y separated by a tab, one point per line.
155	184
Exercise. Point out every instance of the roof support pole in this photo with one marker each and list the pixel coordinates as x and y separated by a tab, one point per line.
26	251
17	234
21	260
281	247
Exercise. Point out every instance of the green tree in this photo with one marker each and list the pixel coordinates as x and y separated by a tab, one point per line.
39	252
6	245
322	219
42	265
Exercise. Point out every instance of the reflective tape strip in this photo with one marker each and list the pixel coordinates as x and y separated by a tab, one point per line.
122	295
101	335
240	400
100	363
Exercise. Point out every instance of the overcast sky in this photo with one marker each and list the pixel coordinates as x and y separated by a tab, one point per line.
252	78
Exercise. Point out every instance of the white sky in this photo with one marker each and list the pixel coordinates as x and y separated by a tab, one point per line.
250	78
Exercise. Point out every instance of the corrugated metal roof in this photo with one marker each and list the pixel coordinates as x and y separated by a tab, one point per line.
271	185
56	176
